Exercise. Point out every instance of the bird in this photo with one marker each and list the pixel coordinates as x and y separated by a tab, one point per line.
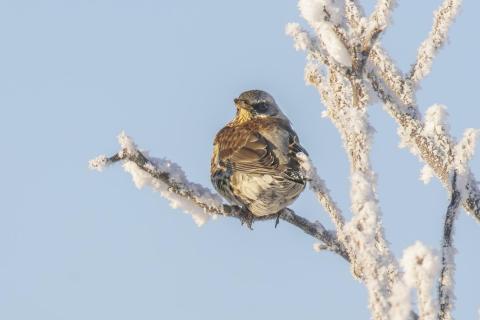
255	162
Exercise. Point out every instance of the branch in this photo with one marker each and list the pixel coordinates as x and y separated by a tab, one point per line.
380	17
443	19
408	119
446	283
369	250
196	199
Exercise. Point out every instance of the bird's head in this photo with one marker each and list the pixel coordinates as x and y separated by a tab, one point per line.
256	104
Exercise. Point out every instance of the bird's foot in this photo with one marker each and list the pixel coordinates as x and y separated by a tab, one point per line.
277	221
247	218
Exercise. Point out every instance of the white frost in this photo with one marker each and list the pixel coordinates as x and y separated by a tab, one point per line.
318	11
323	16
300	37
99	163
426	174
436	120
400	301
319	247
335	47
126	143
187	195
421	266
177	201
443	18
463	153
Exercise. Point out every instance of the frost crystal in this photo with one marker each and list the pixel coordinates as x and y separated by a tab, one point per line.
443	18
301	39
201	194
436	120
465	149
426	174
174	185
318	11
335	47
126	143
463	153
422	266
99	163
400	301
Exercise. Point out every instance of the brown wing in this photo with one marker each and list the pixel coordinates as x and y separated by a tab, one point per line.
245	150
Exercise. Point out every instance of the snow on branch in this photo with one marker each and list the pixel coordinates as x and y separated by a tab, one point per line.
353	15
421	266
420	143
326	18
463	153
321	11
301	39
443	19
382	65
317	185
170	181
370	255
165	177
380	18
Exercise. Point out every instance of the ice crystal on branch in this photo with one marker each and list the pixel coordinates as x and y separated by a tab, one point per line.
301	38
443	18
321	11
465	149
334	45
99	163
421	266
436	121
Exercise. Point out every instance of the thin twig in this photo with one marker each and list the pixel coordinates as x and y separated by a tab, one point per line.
446	282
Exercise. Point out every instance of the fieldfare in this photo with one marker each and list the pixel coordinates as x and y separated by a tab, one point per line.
254	163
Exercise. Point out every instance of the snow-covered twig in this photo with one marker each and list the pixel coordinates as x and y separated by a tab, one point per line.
421	268
442	21
167	178
318	187
370	255
446	283
380	18
409	121
391	75
354	14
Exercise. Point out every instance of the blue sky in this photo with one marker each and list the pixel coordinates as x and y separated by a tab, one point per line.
75	244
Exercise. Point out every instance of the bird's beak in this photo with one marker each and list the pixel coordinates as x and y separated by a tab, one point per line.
241	104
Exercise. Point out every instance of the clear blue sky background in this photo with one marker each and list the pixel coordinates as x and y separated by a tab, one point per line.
76	244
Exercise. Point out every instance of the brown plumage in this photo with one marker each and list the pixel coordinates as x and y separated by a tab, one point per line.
254	162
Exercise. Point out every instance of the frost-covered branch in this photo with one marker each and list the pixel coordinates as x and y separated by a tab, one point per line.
443	19
346	98
438	157
170	181
317	185
421	267
446	295
380	18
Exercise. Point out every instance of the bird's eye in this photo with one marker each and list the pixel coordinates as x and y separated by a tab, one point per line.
261	107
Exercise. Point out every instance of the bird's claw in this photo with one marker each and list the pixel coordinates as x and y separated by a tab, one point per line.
247	218
277	221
